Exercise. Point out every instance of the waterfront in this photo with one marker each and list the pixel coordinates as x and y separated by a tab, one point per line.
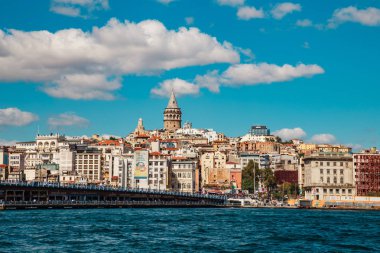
185	230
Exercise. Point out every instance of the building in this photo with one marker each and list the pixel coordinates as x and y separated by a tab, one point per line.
16	164
263	160
184	175
66	159
4	156
367	173
213	169
235	174
327	176
172	115
260	130
158	171
260	147
88	164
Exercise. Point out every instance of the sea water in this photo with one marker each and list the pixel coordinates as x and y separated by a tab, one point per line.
189	230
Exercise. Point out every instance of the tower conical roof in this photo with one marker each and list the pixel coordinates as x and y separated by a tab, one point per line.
172	101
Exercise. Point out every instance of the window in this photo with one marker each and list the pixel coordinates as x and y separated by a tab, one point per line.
343	191
341	164
334	164
337	191
328	163
328	180
349	191
334	171
331	191
321	171
324	190
341	180
328	171
341	171
321	163
335	180
321	179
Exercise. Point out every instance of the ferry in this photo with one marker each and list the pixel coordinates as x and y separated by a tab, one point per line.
241	202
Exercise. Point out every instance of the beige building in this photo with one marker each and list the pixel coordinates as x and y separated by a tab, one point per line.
327	176
213	168
184	175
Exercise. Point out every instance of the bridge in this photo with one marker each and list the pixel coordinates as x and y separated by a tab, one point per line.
24	195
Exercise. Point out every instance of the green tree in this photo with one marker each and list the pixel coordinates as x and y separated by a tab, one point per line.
250	174
269	180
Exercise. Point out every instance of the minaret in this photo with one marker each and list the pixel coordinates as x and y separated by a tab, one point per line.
172	115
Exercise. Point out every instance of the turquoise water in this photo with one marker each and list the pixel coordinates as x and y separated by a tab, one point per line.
189	230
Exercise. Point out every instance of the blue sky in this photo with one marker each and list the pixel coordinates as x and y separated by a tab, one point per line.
306	69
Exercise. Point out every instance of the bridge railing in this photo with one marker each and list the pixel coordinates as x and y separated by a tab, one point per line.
106	203
110	188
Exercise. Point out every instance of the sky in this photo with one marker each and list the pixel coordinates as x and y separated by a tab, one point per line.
305	69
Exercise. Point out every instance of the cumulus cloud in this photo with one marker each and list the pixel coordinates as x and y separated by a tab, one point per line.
250	74
323	139
165	1
247	13
367	17
78	8
82	86
232	3
79	64
67	119
283	9
290	133
211	81
16	117
179	86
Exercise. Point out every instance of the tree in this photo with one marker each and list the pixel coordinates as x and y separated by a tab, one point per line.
250	174
269	180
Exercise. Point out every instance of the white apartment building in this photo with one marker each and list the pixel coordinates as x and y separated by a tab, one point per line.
158	171
327	176
66	160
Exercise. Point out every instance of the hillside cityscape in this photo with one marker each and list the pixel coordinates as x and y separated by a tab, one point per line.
181	158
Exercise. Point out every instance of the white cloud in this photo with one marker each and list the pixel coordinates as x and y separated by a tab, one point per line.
246	74
247	13
67	119
232	3
251	74
78	8
283	9
368	17
67	11
211	81
304	23
179	86
189	20
323	139
16	117
290	133
82	86
165	1
89	64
